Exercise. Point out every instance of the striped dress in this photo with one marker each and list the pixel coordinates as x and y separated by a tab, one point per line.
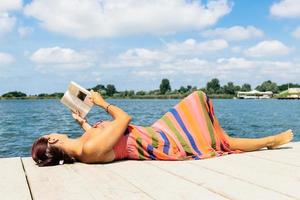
188	131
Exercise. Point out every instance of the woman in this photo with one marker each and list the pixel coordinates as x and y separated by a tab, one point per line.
188	131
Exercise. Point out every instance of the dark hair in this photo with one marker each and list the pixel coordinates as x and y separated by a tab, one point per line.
45	154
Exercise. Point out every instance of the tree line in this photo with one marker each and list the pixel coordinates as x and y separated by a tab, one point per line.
213	88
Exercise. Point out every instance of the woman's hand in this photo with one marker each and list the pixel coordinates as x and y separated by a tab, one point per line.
78	118
82	121
97	99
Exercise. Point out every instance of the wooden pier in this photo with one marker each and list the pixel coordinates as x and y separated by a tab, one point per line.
264	174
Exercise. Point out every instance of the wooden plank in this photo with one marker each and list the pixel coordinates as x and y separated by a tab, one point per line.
287	154
295	146
78	181
255	175
219	183
13	184
56	182
284	156
102	182
160	184
281	178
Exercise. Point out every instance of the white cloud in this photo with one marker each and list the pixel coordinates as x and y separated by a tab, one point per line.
235	33
141	57
145	73
226	69
234	63
169	61
188	66
7	22
100	18
296	33
61	59
6	59
191	46
24	31
138	57
254	71
268	48
175	67
236	49
281	71
7	5
286	8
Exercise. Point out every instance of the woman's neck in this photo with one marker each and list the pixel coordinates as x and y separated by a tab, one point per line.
73	147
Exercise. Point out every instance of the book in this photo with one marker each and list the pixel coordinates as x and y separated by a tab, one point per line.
76	98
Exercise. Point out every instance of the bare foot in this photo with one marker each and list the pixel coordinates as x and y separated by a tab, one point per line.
281	138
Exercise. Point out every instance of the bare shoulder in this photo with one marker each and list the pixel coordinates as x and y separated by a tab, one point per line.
89	155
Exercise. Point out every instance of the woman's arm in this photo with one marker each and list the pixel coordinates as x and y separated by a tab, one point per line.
81	121
85	126
96	149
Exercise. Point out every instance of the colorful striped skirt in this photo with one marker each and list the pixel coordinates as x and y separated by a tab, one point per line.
188	131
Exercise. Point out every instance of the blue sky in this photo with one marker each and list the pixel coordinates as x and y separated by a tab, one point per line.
133	44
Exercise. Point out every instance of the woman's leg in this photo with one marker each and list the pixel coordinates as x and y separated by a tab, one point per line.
271	142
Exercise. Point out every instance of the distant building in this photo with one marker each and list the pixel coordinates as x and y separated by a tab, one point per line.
254	94
293	93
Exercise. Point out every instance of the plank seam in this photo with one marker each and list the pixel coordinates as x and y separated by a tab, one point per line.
275	161
129	182
70	168
29	188
244	180
201	185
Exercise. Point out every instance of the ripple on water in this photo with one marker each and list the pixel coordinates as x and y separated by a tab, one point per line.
21	122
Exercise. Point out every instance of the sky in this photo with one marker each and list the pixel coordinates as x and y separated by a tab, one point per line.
134	44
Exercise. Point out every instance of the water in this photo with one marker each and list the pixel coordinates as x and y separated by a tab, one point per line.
22	121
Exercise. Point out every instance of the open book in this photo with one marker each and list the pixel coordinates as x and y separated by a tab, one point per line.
76	98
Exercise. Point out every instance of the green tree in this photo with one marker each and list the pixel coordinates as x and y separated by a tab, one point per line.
288	85
43	95
57	95
203	89
268	86
98	88
103	92
194	88
246	87
14	94
182	90
131	93
213	86
141	92
237	88
154	92
164	86
110	89
229	88
122	94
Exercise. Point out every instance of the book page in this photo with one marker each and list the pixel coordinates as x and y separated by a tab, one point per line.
77	99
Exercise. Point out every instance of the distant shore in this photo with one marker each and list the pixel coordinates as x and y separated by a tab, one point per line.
174	96
166	96
213	89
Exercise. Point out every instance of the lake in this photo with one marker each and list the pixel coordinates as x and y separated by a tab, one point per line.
22	121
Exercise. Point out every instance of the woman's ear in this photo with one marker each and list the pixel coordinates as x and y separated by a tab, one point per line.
52	140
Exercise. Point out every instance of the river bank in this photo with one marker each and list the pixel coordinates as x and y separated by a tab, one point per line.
171	96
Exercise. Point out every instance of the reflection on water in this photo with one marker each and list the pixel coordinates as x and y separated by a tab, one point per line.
22	121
